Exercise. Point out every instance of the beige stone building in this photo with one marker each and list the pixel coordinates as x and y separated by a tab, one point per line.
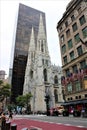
72	31
41	77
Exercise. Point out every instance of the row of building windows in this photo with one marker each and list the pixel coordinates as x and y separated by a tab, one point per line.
75	68
45	76
76	39
77	97
72	55
73	18
45	62
74	27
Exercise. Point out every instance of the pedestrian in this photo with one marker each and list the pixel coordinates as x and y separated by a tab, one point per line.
3	121
10	115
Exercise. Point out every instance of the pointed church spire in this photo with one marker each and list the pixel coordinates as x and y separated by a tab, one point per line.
32	41
41	31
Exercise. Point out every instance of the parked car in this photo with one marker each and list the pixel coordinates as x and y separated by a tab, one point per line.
56	111
76	113
65	112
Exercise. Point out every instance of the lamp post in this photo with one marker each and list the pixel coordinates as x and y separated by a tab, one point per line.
47	98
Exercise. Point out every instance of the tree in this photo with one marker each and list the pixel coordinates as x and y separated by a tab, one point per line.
1	96
5	91
24	100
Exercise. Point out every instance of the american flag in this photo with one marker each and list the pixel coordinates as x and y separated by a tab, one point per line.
85	71
80	74
75	76
63	81
70	77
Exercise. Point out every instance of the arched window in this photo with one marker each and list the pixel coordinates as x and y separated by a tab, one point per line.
45	74
31	74
56	96
42	49
55	79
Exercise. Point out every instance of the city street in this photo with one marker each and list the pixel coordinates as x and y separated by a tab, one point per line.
42	122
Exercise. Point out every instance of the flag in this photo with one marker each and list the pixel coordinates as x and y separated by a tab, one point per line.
63	81
68	80
70	77
75	76
85	71
82	74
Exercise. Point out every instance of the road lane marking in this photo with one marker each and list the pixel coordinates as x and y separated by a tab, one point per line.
38	128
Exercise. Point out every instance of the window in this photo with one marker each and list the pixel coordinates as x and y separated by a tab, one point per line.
62	38
79	50
74	26
83	64
56	96
70	45
68	99
46	62
76	37
85	95
31	74
79	96
60	28
72	18
42	46
63	49
68	33
56	79
65	59
66	23
84	32
72	55
67	72
69	87
45	75
43	61
77	86
74	68
76	97
82	20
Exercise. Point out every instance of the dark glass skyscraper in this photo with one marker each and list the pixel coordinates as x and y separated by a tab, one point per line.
27	17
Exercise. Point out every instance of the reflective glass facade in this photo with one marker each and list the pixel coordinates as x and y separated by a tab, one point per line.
27	17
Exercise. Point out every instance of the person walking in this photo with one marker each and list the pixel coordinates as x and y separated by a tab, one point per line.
10	115
3	121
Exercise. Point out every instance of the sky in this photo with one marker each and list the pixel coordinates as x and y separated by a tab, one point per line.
53	10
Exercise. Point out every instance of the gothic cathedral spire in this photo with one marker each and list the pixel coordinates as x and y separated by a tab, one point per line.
41	31
32	41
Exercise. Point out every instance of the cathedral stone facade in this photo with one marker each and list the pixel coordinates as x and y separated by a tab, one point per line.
41	77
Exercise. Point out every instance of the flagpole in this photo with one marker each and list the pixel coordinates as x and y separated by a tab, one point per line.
84	43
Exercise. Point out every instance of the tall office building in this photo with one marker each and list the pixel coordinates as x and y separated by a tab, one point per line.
32	69
27	17
72	30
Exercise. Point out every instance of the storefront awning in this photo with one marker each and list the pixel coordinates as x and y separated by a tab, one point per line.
75	102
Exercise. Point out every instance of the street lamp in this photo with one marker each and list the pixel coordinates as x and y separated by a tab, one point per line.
47	98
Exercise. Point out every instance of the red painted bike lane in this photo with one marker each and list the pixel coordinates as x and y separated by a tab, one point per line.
23	123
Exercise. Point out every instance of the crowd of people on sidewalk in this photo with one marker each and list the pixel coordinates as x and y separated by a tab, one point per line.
4	118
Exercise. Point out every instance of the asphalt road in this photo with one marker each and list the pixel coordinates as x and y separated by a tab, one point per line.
78	122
